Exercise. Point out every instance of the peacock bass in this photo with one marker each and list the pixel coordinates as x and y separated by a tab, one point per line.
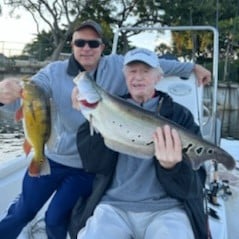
35	114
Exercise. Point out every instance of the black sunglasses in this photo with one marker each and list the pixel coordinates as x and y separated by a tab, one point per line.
91	43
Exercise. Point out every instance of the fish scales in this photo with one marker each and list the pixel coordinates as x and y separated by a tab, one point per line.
35	114
117	126
128	129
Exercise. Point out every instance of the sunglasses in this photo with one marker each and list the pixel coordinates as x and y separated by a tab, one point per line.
91	43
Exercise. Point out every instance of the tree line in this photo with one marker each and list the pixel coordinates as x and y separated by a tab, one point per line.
61	16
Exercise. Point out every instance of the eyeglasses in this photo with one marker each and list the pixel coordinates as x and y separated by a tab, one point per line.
91	43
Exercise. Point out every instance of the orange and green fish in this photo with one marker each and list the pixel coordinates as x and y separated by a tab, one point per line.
35	113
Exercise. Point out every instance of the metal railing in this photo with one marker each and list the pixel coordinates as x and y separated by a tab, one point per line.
185	28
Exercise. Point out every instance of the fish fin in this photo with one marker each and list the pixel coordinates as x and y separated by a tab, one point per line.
196	162
19	114
27	147
91	126
217	154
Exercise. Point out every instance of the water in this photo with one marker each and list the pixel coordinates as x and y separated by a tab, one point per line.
230	123
8	123
11	137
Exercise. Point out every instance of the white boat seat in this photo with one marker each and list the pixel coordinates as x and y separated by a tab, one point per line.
185	92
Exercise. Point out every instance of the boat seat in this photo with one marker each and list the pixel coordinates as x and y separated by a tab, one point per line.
185	92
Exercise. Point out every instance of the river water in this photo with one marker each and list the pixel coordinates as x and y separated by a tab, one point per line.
230	123
12	136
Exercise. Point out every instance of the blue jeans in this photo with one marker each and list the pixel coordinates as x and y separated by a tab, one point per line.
68	183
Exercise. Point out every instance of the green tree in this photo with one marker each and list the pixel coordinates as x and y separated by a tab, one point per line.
219	13
62	15
42	47
59	15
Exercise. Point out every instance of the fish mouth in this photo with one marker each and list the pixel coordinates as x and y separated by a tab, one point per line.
89	104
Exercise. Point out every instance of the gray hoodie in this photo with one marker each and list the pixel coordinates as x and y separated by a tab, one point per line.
57	80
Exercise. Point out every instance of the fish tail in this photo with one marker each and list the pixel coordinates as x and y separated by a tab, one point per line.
39	168
45	168
226	159
34	168
218	155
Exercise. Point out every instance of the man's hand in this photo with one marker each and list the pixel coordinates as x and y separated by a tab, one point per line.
74	98
203	75
168	147
10	90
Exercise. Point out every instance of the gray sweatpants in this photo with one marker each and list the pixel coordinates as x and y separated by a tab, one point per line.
110	222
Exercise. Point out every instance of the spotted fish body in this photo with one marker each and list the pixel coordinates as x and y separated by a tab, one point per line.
35	114
128	129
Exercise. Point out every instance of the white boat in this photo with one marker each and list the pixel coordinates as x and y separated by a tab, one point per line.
223	224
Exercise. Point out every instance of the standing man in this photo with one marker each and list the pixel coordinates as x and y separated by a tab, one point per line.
67	174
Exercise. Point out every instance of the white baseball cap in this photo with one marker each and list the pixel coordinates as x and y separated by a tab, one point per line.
143	55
